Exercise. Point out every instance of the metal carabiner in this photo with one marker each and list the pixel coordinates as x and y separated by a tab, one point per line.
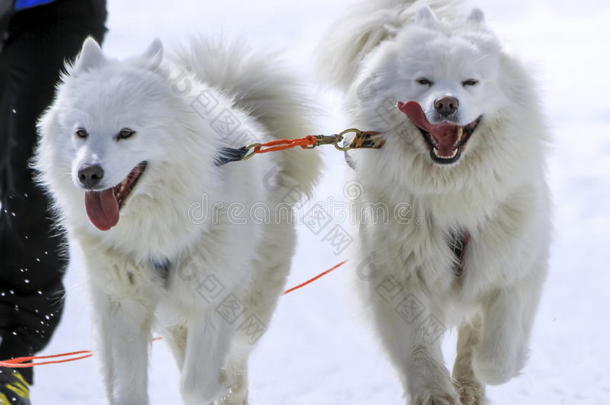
341	137
252	148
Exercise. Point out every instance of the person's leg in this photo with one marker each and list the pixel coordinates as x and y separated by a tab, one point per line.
31	266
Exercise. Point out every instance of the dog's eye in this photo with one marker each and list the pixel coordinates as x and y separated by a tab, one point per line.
424	82
81	133
125	133
470	82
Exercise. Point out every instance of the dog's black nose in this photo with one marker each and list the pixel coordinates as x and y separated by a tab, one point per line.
90	176
446	106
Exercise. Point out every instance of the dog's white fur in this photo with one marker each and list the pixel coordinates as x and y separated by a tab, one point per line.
496	191
182	212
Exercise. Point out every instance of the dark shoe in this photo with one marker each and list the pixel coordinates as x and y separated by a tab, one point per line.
14	390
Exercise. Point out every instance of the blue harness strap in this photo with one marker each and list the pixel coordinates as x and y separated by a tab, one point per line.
228	155
23	4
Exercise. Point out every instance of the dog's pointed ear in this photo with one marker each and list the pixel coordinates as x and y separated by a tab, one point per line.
426	17
153	55
476	16
90	56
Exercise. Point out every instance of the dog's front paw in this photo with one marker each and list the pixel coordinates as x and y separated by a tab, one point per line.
496	361
471	393
203	393
496	369
429	382
435	398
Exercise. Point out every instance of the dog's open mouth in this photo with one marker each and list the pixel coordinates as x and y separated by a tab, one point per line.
446	140
103	207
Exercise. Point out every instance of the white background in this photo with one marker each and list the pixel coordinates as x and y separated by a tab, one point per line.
319	349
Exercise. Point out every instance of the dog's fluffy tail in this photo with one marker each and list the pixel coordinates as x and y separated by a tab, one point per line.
355	35
262	86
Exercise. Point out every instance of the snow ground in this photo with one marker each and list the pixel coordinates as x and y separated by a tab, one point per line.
319	349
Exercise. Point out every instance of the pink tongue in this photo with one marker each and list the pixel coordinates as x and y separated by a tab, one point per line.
102	208
445	134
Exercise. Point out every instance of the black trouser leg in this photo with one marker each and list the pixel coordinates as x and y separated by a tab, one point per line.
31	265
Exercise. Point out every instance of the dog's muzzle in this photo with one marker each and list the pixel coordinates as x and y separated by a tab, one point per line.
446	140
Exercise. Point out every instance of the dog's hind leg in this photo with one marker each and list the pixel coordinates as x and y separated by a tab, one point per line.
508	315
471	391
124	328
207	344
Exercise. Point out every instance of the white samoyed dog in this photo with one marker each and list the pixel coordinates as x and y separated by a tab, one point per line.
464	152
132	153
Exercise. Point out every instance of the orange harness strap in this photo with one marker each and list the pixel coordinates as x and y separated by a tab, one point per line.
283	144
361	140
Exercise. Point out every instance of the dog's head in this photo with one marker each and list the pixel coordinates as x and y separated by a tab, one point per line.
452	102
450	70
107	137
453	76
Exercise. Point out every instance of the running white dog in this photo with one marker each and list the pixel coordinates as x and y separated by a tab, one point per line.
465	145
132	152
